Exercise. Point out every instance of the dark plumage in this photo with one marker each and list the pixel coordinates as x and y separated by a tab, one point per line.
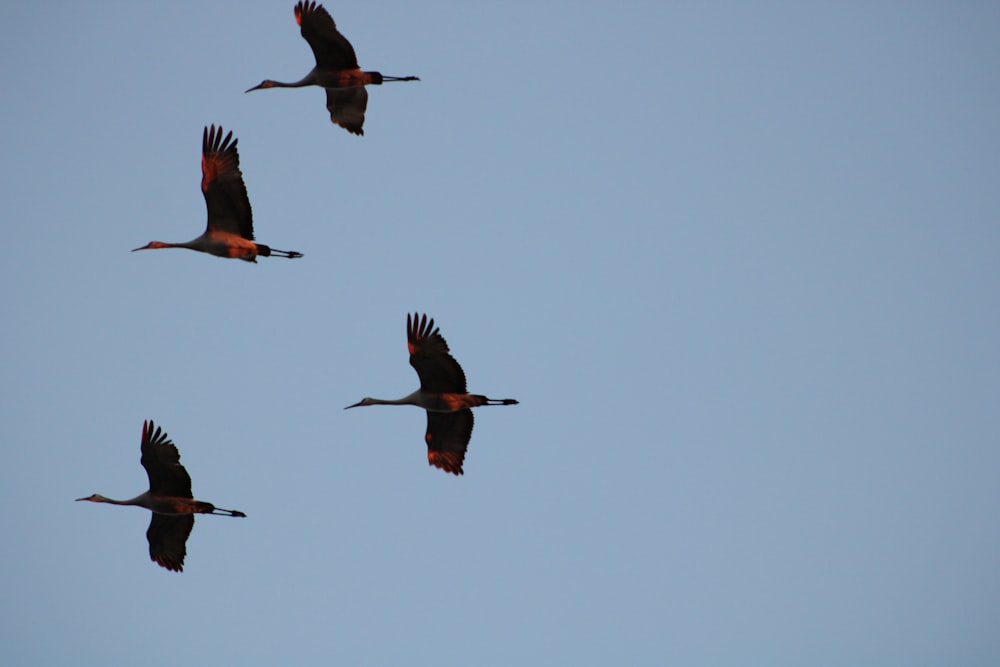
169	498
336	69
442	394
229	232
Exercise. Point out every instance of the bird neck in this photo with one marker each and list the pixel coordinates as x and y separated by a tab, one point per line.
162	244
131	501
396	401
156	245
308	80
409	399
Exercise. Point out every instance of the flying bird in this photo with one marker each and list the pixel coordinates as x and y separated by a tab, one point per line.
230	221
336	69
442	394
169	498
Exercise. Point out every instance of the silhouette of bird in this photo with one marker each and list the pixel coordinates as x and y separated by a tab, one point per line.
336	69
442	394
230	221
169	498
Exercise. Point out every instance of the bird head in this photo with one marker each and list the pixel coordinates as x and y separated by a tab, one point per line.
266	83
96	498
364	401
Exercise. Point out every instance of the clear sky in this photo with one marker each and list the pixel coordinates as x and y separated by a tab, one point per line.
738	261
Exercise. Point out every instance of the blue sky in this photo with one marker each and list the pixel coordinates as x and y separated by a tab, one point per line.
739	265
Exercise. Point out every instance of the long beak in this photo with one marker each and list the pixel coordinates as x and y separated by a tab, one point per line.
145	247
354	406
257	87
79	499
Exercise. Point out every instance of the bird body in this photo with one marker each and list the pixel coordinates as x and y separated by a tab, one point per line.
169	498
442	394
447	401
229	232
336	69
169	505
328	78
218	243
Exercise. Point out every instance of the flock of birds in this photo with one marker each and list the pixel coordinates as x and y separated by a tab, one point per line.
443	393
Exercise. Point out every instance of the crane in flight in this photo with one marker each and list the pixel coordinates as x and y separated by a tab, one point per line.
336	69
230	221
169	498
442	394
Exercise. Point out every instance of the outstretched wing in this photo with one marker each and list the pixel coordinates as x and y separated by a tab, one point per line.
347	107
167	536
162	461
448	435
332	50
222	184
438	370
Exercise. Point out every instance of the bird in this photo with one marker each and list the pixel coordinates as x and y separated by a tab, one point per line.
230	221
336	69
442	394
169	498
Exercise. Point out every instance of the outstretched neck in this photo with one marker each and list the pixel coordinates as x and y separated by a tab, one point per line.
301	83
308	80
412	399
98	498
409	399
156	245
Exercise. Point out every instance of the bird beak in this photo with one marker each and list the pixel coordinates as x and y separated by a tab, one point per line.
79	499
354	406
145	247
257	87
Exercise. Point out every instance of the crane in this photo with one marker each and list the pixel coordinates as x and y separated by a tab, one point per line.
169	498
336	69
230	221
442	394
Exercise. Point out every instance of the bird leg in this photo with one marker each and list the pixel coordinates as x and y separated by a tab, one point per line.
291	254
222	512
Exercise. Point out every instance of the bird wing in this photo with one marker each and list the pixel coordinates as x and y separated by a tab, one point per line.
448	435
162	461
347	107
223	187
332	50
167	535
437	369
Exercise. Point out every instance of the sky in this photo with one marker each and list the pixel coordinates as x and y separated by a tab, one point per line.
739	264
